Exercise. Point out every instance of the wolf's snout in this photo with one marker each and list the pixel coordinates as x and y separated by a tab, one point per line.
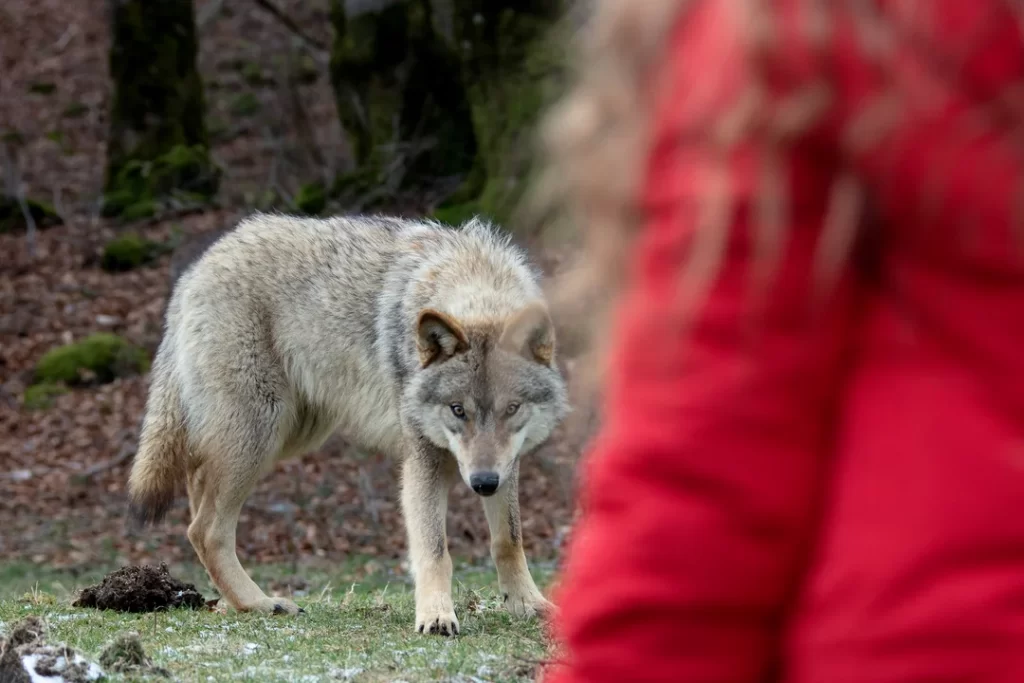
484	483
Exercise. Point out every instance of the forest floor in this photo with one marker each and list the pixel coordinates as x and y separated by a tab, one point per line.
63	469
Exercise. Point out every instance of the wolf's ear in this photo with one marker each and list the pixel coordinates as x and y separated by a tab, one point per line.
531	334
438	337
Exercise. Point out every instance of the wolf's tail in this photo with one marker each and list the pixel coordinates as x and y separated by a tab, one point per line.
159	464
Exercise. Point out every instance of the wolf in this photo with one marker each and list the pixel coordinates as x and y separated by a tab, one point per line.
429	342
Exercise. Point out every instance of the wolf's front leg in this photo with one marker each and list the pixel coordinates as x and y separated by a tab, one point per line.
520	593
426	480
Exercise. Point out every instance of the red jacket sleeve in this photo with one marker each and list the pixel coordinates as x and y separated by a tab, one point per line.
699	496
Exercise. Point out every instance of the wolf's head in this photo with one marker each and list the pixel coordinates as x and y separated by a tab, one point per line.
487	393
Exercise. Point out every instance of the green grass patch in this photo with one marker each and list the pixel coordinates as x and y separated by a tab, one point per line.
356	628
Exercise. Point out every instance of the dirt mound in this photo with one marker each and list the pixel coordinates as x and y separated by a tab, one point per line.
26	656
140	589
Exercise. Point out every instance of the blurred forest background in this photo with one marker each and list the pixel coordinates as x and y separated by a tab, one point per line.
134	131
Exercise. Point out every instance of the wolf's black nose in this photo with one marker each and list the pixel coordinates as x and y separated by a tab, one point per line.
484	483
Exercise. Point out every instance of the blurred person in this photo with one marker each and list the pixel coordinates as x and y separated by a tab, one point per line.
807	221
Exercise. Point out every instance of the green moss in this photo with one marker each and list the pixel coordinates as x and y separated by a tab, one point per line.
266	200
139	210
158	102
129	251
40	396
100	357
244	104
311	198
182	171
306	71
57	137
75	110
456	214
42	88
218	129
12	218
253	74
114	203
354	183
12	137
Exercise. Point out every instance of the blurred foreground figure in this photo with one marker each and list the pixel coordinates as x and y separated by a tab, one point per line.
811	217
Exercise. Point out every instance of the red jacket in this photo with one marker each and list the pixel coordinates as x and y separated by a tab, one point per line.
841	498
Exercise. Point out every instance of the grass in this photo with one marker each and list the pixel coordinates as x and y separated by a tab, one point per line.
356	628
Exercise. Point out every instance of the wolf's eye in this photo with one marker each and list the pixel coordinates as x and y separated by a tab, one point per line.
458	411
512	409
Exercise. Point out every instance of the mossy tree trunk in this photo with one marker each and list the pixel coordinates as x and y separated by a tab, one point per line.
158	142
509	62
399	92
469	75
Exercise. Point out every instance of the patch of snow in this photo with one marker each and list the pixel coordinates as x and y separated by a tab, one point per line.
69	617
347	673
250	648
30	661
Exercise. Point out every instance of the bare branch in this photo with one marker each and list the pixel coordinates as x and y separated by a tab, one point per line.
126	453
15	190
208	13
290	24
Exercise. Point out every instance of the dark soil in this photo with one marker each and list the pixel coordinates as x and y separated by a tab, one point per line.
140	589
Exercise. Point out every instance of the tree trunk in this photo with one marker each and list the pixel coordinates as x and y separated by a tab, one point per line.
510	59
157	144
399	92
468	76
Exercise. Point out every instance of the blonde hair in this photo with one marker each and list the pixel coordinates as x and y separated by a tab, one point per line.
596	140
594	143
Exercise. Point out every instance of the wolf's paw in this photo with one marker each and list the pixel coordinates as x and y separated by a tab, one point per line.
438	619
276	606
528	603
